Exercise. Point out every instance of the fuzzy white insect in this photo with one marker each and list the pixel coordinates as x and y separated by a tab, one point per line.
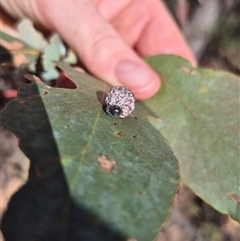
120	102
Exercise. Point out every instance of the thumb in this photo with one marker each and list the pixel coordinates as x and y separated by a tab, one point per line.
99	47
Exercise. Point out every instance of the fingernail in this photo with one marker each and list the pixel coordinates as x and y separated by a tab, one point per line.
134	76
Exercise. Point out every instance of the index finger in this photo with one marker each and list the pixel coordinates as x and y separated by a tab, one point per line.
162	36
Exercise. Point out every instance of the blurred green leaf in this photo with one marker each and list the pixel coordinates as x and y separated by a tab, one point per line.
52	49
70	58
30	35
55	50
121	172
198	113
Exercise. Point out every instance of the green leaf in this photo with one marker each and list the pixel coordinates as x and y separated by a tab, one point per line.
92	177
70	58
55	50
30	35
52	49
198	113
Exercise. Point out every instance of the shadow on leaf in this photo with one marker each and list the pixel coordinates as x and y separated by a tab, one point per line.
43	209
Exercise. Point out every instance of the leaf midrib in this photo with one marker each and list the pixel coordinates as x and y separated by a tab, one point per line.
81	159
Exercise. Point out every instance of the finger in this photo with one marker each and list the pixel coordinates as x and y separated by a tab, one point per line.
131	31
162	36
100	48
128	18
148	26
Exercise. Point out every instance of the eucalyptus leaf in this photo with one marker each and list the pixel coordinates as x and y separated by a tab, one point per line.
198	112
71	57
51	48
30	35
92	176
55	50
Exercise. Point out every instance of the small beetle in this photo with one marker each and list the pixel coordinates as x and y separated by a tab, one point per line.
120	102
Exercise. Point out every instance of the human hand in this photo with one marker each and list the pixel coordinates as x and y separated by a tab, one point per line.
111	36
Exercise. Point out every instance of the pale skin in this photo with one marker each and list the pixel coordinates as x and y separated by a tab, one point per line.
110	36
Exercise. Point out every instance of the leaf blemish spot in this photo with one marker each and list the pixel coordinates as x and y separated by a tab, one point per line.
234	196
154	118
105	163
189	71
203	90
119	133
